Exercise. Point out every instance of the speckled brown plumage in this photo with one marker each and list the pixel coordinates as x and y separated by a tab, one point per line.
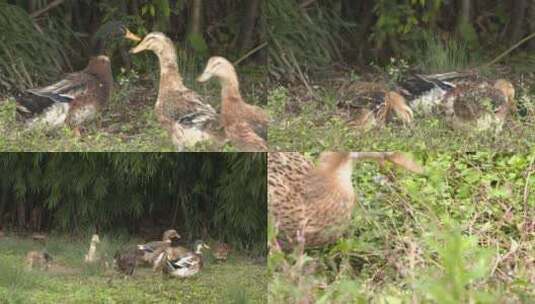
370	104
479	106
316	201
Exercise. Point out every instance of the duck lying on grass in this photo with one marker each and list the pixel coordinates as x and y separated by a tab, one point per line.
315	203
245	125
371	104
180	110
177	262
221	251
38	260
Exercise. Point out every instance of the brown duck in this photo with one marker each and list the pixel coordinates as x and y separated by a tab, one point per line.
479	106
370	104
245	125
180	110
317	201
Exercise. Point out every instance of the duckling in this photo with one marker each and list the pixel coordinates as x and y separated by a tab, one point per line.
184	265
221	251
479	106
92	255
245	125
181	111
38	260
152	250
371	104
317	201
127	259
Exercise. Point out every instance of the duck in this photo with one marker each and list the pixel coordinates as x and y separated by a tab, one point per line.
479	107
92	255
181	111
312	204
38	260
177	263
150	251
221	251
127	259
372	104
76	98
244	124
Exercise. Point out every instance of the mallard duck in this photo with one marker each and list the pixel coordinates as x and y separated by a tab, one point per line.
38	260
177	263
245	125
181	111
92	255
73	100
314	203
152	250
479	106
370	104
221	251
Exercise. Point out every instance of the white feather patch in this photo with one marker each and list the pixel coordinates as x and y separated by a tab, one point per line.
53	117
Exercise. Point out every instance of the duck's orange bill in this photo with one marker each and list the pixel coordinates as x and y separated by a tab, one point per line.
131	36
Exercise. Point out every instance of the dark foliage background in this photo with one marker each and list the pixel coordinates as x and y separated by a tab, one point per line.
207	195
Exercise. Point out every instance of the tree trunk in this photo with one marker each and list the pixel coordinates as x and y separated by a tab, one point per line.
21	214
464	14
531	23
517	20
248	25
196	17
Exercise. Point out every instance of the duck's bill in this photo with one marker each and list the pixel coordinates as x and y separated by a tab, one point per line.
131	36
204	77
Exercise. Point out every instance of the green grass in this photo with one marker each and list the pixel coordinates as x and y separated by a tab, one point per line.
460	233
69	280
302	122
127	124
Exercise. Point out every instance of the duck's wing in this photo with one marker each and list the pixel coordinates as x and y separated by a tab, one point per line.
37	100
191	110
153	247
244	137
258	121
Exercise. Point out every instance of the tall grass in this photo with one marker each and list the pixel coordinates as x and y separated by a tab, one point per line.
30	53
441	55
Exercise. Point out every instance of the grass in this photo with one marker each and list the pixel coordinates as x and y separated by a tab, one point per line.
306	122
69	280
127	124
463	232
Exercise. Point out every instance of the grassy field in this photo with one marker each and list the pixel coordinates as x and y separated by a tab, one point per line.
463	232
305	121
127	124
69	280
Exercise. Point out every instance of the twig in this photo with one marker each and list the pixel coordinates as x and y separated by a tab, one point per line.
251	52
46	9
509	50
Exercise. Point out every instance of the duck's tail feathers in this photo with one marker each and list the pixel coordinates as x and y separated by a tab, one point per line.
397	103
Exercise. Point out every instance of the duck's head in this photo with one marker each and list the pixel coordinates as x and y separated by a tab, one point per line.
155	41
95	239
506	87
170	234
217	67
199	246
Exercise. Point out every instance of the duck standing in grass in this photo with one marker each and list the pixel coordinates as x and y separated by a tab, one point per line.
181	111
92	255
371	104
183	264
221	251
315	203
150	251
75	99
245	125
